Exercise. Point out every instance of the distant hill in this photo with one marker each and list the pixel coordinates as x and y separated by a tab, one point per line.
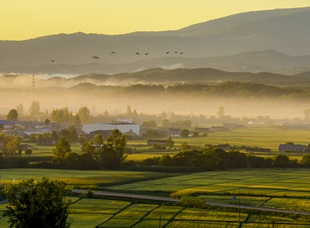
253	41
158	76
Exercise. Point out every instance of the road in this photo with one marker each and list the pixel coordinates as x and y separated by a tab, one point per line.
168	199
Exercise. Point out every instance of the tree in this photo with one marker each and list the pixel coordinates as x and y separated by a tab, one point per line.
184	133
37	204
62	115
95	148
12	115
221	112
116	143
305	160
281	161
62	147
9	144
20	110
170	143
28	152
34	109
83	114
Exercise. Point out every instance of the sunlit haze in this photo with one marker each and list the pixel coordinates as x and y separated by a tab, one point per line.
20	19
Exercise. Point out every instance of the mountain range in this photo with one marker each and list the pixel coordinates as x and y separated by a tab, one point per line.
274	41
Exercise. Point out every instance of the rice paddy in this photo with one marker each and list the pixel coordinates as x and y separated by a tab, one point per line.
270	188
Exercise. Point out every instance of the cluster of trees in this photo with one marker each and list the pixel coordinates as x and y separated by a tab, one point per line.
62	115
218	159
97	153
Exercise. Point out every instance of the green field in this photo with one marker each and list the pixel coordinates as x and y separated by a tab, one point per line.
271	188
77	178
89	213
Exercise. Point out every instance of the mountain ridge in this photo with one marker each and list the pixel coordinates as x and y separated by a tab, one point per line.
281	30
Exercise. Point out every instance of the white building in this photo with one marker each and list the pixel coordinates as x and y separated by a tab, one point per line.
122	127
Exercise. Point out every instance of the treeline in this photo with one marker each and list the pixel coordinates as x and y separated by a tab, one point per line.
98	153
230	89
211	159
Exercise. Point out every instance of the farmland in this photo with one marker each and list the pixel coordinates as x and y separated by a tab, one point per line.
286	189
270	188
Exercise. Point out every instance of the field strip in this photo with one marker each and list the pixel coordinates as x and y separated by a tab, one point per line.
168	199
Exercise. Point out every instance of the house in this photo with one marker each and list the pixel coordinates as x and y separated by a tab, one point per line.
292	148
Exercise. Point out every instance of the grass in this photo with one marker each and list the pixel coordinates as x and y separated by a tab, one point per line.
254	187
209	215
94	206
87	220
83	179
275	188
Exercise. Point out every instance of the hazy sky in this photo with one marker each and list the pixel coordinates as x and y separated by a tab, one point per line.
25	19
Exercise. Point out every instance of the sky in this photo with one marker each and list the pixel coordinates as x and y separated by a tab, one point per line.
27	19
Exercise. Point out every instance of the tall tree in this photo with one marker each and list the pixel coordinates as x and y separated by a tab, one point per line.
9	144
37	204
221	112
83	114
96	149
34	109
116	144
12	115
62	147
20	110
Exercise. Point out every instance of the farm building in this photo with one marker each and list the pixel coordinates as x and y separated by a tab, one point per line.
292	147
122	127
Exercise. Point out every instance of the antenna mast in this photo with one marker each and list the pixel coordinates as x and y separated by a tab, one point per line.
33	87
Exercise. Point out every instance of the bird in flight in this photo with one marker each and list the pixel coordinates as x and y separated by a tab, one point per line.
95	57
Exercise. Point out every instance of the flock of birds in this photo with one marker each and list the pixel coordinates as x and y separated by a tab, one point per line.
137	53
